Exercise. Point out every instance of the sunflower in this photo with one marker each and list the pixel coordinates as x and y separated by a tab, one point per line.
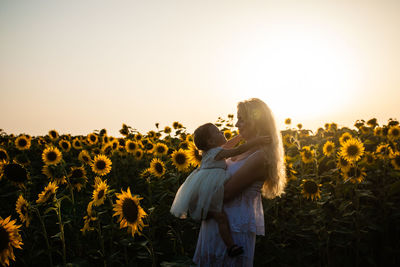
145	173
22	208
48	192
394	132
184	145
148	146
160	149
100	193
105	139
84	156
114	144
307	155
372	122
86	225
290	172
354	174
138	154
343	164
138	136
151	134
51	155
23	142
352	150
344	137
299	126
288	121
42	141
311	189
383	151
395	160
194	155
92	139
101	165
130	212
329	148
157	167
175	125
369	158
65	145
131	146
167	129
107	149
53	134
228	134
4	155
180	159
9	238
287	140
77	144
51	173
378	131
77	177
15	173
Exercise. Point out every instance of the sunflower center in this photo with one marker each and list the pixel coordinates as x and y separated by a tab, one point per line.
65	145
149	146
53	134
329	148
159	168
22	142
15	172
138	153
77	173
180	159
130	210
93	138
132	146
307	154
160	149
24	209
395	132
352	150
310	187
51	156
100	164
100	194
4	239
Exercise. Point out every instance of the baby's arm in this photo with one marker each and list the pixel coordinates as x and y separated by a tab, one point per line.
231	143
227	153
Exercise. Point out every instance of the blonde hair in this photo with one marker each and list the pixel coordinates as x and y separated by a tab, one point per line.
257	113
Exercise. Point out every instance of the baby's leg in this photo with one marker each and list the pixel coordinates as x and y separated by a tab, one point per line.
223	226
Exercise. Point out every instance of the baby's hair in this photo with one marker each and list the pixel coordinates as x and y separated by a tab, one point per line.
201	136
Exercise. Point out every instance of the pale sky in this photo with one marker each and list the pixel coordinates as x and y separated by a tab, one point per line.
77	66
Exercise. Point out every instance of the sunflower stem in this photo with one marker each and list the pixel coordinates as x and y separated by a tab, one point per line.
103	251
62	237
151	250
44	235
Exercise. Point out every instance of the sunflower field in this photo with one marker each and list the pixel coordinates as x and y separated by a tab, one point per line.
99	200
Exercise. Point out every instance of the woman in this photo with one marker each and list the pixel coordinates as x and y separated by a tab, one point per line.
254	173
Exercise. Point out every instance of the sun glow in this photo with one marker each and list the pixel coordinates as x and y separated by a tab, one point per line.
303	74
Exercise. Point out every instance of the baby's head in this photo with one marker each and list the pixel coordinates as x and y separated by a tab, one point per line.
208	136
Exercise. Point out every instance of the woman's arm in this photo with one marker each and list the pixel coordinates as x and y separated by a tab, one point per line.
252	170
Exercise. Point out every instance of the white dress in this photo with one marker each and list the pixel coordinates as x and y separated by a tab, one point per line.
246	219
203	189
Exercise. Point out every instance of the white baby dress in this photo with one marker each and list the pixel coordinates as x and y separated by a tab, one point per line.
203	189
